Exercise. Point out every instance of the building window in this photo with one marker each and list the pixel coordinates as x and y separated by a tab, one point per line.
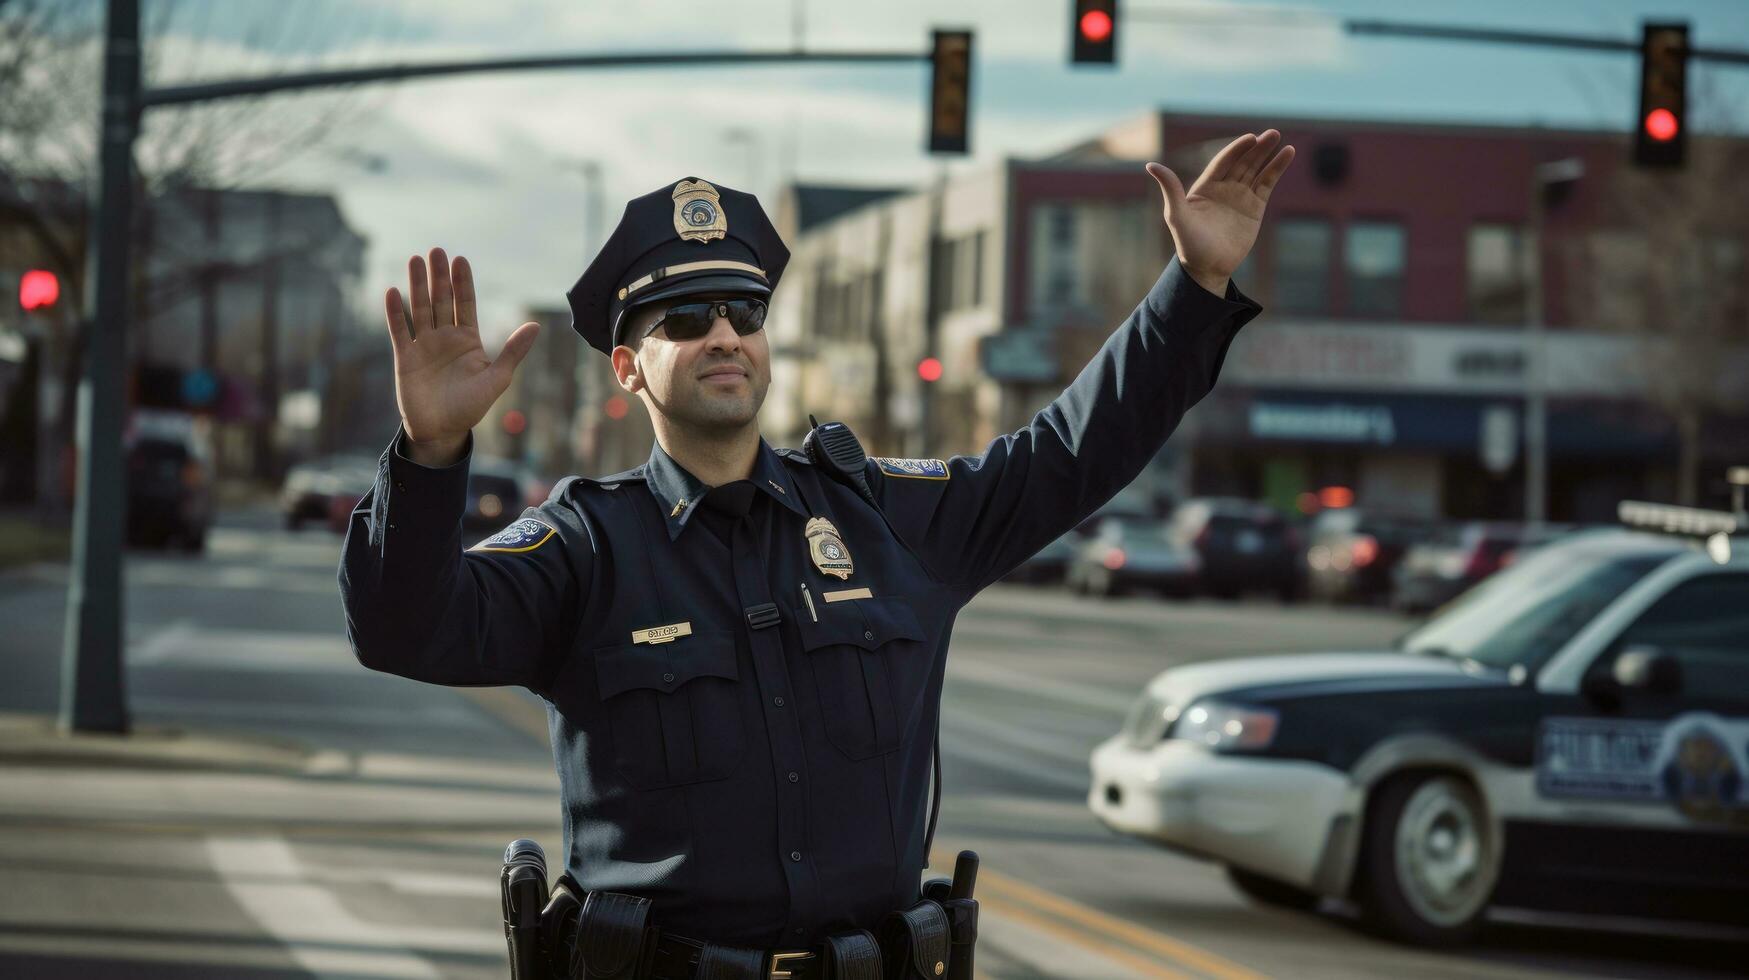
1373	257
959	271
1063	227
1302	265
1496	273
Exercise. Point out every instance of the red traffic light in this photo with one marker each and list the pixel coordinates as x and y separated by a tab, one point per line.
1096	25
929	369
1093	27
38	289
515	422
1661	125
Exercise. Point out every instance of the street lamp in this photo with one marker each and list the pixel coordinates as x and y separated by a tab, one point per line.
1546	179
591	172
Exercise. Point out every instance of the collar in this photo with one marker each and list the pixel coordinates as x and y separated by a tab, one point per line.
678	492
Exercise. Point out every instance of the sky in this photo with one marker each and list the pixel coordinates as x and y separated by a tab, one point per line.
490	166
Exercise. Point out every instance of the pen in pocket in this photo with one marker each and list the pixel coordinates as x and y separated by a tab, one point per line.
809	599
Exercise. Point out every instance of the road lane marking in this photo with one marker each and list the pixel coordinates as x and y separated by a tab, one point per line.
1112	927
989	674
162	644
268	882
307	919
997	909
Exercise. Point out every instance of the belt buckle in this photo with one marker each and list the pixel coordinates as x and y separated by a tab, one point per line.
779	971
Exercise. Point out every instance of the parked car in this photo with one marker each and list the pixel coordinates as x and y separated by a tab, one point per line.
311	486
1570	735
1050	564
1126	553
1351	551
1244	546
1457	556
169	460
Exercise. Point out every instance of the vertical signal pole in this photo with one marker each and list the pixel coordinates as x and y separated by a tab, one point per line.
91	659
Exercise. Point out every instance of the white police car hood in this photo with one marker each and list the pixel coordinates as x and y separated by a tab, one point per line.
1333	673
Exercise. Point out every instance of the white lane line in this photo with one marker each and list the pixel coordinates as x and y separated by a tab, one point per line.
359	715
266	879
163	644
989	674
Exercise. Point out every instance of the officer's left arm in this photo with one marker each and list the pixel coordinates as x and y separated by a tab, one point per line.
976	518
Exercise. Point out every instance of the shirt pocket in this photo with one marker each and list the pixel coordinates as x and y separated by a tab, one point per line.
870	669
673	709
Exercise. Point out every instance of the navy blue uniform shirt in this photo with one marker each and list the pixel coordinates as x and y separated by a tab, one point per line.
741	734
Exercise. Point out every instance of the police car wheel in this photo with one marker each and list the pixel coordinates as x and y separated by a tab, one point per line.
1265	890
1429	864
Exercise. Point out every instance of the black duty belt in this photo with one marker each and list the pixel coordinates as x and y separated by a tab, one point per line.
679	958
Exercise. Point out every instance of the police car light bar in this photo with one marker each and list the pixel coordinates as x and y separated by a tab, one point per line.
1673	519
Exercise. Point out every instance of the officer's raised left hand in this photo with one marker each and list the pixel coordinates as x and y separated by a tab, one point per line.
1215	224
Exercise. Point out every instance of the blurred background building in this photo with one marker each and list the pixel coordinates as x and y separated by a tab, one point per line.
1397	275
246	312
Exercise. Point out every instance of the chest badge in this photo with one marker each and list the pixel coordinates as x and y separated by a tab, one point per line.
827	549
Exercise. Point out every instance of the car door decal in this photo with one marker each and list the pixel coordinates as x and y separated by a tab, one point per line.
1695	762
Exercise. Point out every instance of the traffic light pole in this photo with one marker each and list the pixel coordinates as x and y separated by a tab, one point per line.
93	691
93	696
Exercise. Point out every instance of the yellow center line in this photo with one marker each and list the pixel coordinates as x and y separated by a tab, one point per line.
1112	927
1043	924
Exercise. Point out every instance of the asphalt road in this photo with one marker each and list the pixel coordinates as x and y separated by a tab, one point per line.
378	857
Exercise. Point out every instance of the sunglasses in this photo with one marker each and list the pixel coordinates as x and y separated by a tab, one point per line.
690	321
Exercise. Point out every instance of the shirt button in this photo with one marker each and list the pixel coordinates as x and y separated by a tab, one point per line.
795	855
868	634
667	678
777	701
795	777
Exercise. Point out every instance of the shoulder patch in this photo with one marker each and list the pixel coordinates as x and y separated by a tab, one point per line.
915	469
526	534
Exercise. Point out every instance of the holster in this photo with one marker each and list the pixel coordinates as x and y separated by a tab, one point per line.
605	936
962	923
915	942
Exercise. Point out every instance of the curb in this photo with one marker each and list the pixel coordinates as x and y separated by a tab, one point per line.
37	740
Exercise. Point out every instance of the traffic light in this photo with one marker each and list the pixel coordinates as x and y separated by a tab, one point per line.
38	289
1093	32
950	92
1661	137
929	369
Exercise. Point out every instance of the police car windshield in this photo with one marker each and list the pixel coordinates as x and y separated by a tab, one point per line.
1524	614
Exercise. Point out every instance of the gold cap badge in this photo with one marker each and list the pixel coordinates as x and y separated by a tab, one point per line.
698	212
827	549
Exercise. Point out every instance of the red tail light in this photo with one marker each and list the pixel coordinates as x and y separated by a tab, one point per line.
1113	559
1365	550
1481	564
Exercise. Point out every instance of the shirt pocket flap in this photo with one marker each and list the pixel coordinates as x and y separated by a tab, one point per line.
665	667
867	623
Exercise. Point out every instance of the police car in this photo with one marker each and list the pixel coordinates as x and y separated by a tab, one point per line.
1570	735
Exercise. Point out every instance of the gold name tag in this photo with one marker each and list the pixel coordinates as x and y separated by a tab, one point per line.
844	594
662	634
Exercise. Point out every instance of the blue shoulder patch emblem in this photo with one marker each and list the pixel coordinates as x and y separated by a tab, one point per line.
526	534
915	469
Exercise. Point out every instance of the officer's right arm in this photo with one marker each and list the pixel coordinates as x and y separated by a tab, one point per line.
419	606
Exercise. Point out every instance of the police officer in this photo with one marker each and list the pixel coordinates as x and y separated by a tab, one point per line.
742	650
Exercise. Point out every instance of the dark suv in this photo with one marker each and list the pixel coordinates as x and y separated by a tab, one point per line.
169	480
1244	545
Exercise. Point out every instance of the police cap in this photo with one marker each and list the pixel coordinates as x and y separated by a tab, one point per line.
689	237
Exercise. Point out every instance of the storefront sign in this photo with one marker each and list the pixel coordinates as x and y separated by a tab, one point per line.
1372	424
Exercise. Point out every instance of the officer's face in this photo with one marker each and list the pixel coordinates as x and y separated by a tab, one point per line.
715	381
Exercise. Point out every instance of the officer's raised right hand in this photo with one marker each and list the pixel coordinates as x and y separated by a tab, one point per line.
444	382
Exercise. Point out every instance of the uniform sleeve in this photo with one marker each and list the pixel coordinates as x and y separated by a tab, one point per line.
994	511
420	606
